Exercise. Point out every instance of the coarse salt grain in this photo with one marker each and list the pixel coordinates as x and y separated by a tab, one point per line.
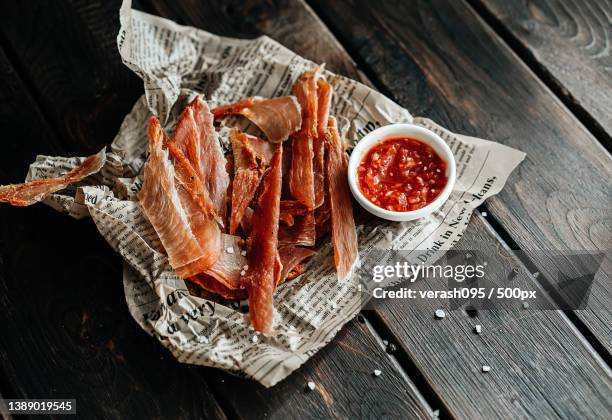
243	253
377	372
311	385
525	305
242	273
478	329
245	267
230	250
486	368
255	339
484	214
440	314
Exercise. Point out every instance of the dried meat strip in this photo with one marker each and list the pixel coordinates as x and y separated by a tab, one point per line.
301	232
324	96
263	267
290	257
344	234
185	148
301	176
212	160
163	204
211	285
248	169
228	268
277	118
37	190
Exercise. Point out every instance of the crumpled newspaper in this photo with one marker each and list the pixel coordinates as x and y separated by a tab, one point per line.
178	62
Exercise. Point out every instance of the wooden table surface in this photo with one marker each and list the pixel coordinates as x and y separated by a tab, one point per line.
532	74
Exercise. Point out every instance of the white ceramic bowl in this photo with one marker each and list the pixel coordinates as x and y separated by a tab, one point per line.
402	130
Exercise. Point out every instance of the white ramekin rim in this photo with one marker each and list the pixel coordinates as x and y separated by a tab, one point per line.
402	130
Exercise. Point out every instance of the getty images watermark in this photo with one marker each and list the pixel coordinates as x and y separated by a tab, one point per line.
485	279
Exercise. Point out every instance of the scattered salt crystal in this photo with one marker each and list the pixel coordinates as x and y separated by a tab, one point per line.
202	339
243	253
311	385
359	287
486	368
230	250
377	372
536	274
255	339
440	314
525	305
484	214
478	329
484	263
242	273
245	267
385	343
437	170
436	413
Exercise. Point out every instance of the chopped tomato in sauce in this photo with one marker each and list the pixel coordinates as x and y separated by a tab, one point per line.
401	174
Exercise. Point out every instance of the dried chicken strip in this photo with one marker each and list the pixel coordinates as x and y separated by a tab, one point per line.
161	203
210	284
227	269
290	208
185	148
324	96
264	149
37	190
301	176
344	234
212	160
301	232
277	118
261	279
290	257
204	227
248	169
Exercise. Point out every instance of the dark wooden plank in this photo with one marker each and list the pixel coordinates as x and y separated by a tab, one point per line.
26	131
568	44
540	367
66	331
67	53
291	23
345	385
441	61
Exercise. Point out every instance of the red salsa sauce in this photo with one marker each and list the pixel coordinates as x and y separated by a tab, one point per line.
401	174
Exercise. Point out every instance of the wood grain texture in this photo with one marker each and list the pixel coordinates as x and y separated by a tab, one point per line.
540	367
439	60
569	44
67	53
66	331
290	22
346	387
